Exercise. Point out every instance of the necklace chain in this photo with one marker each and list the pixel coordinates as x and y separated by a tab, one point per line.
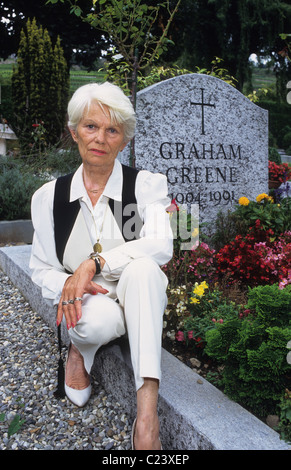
97	246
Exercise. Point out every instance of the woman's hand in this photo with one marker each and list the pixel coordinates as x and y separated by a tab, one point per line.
75	286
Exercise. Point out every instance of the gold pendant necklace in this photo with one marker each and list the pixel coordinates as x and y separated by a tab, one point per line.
97	247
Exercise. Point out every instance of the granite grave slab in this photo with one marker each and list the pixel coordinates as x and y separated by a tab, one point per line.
207	138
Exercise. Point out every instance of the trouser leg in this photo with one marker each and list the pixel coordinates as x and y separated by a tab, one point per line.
141	291
102	321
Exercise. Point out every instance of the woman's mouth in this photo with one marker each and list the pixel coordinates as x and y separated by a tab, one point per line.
98	151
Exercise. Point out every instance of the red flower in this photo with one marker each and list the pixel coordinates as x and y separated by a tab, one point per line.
255	259
280	172
199	342
173	207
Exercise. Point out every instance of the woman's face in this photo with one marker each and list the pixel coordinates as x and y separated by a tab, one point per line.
99	140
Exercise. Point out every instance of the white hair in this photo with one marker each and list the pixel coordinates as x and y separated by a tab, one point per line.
119	105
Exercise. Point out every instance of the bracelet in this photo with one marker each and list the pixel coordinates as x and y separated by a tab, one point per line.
96	259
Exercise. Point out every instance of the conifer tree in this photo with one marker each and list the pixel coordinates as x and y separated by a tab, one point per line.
40	88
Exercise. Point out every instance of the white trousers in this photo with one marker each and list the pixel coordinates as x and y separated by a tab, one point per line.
141	292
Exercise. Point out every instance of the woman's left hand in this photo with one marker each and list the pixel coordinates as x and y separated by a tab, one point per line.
75	287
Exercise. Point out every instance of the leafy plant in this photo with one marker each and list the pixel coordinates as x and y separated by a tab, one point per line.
263	213
272	306
133	30
16	189
15	425
253	352
285	417
188	267
218	71
206	307
274	155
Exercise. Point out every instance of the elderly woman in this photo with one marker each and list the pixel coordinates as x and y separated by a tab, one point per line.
101	235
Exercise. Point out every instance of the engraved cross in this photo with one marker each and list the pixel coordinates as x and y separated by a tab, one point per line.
203	104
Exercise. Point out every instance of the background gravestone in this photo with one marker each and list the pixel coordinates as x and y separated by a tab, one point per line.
207	138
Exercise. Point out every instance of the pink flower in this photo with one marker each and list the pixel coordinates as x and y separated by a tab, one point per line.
180	336
190	334
173	207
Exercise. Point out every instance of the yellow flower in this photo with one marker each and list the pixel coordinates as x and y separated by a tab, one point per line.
243	201
204	285
193	300
195	232
262	196
199	290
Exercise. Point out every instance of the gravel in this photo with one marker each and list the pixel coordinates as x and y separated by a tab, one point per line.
28	371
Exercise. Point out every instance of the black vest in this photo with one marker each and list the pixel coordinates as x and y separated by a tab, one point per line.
65	212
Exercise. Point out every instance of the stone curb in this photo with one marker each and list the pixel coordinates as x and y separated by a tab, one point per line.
16	231
194	415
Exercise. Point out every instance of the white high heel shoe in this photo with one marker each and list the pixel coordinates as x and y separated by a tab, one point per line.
77	397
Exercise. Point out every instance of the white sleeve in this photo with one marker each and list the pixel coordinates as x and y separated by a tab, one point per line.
47	272
156	238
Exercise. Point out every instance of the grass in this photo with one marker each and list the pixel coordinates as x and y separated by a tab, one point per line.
5	72
262	77
77	77
81	77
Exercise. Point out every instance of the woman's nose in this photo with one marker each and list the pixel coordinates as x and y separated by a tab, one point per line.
100	135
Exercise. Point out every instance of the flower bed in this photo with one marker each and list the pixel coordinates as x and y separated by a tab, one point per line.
279	172
229	308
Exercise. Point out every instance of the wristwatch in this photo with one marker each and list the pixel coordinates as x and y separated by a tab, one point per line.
96	258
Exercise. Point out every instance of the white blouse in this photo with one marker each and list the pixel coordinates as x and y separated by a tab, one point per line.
156	238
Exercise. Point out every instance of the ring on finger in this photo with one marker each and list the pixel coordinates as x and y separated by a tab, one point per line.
78	298
71	301
65	302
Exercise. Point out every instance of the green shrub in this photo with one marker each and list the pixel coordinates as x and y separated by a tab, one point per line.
205	307
16	189
62	161
253	350
40	88
271	305
274	155
285	417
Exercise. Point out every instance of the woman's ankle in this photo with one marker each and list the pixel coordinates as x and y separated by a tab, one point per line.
76	375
